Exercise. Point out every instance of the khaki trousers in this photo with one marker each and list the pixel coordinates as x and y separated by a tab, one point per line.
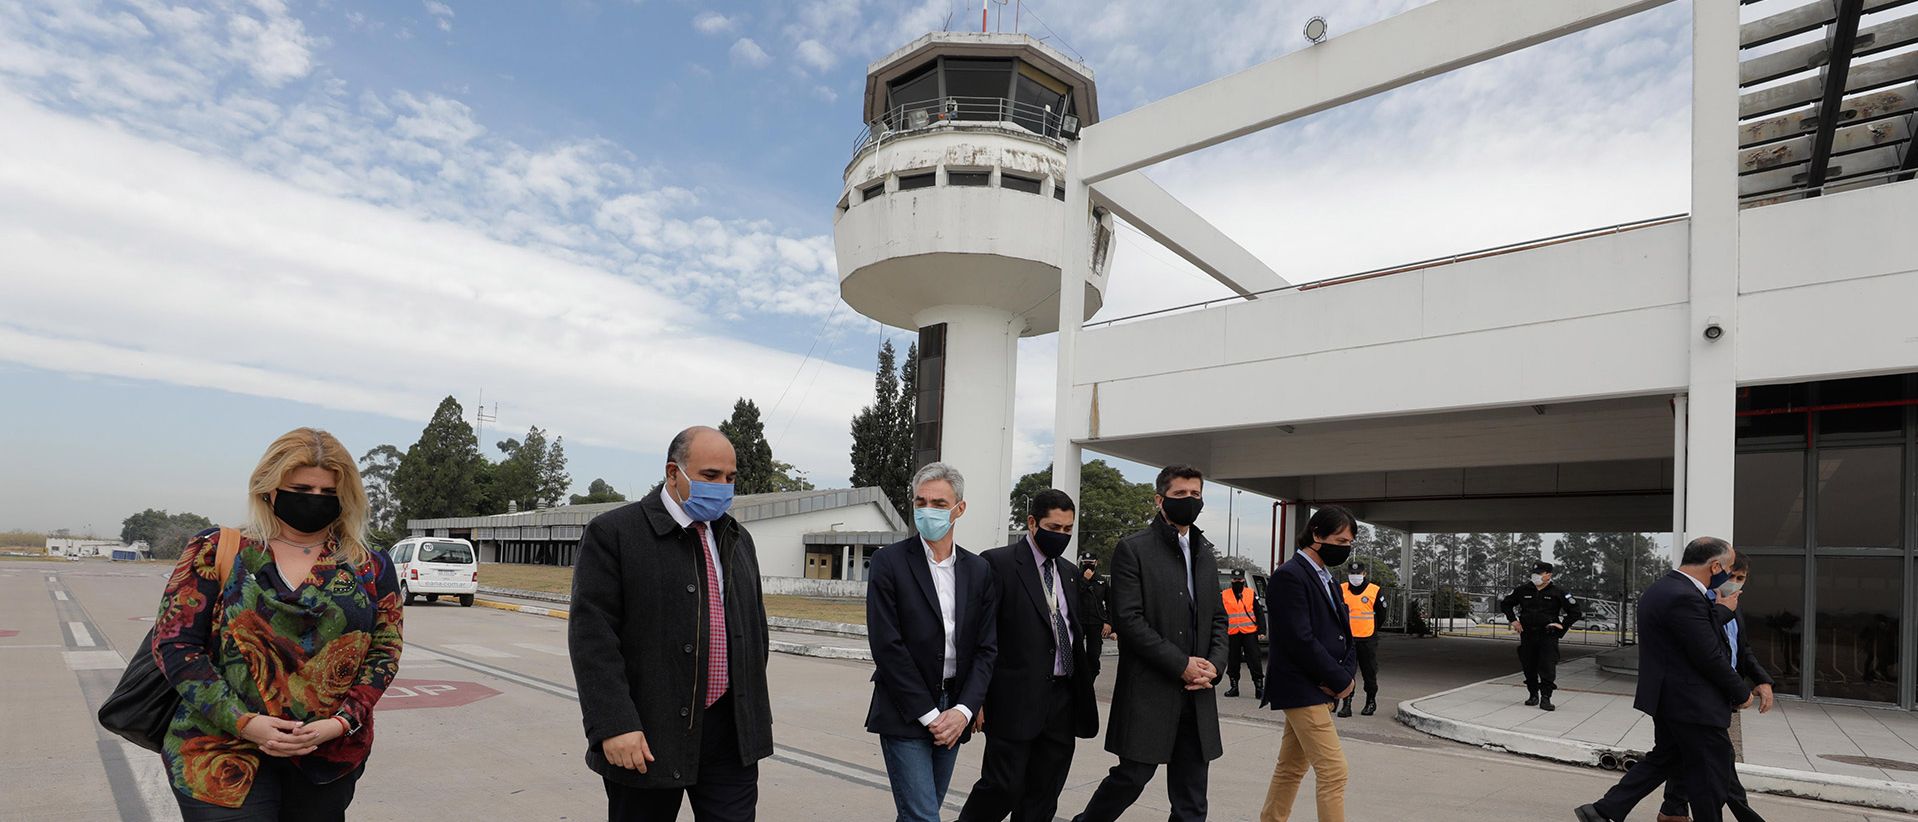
1311	741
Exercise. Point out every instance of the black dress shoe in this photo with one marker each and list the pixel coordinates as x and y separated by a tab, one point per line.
1589	813
1533	700
1371	707
1258	692
1345	707
1234	690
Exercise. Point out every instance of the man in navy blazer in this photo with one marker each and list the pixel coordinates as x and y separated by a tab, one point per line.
1311	665
1687	684
931	618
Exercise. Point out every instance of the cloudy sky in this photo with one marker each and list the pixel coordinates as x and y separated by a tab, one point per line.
224	219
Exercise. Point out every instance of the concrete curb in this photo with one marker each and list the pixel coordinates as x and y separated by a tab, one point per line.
816	626
536	610
1848	790
820	651
542	596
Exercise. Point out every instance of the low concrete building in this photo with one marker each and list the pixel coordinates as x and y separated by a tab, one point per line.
825	534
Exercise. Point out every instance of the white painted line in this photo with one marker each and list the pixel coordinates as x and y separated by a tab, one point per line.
94	660
149	773
544	648
53	579
7	647
80	635
479	651
60	595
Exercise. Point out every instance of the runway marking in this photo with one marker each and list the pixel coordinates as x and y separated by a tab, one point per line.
108	660
60	595
53	579
43	647
481	651
544	648
81	636
150	779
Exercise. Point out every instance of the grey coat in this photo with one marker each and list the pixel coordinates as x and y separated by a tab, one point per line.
1159	629
638	638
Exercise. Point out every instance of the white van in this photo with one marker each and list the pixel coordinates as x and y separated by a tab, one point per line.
435	566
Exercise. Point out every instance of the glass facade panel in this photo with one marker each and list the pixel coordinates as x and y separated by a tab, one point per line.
1769	500
917	89
981	85
1859	493
1774	605
1863	421
1861	603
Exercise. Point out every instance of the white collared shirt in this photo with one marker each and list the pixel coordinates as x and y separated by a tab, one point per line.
1325	577
945	583
680	516
1185	549
1696	584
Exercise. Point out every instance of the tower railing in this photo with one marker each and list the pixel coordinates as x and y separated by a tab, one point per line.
957	112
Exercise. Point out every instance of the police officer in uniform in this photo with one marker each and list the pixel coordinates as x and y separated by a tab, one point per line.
1093	622
1543	614
1365	608
1244	627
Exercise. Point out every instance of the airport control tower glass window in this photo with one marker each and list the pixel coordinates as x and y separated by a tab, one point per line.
980	87
918	90
1039	101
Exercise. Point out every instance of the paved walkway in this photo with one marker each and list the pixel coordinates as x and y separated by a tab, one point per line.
1850	754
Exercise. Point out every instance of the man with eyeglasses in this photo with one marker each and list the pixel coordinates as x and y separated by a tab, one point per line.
1311	666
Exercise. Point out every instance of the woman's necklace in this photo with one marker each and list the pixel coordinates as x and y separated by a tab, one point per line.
304	549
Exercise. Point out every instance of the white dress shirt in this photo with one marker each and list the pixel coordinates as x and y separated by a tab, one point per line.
945	583
1185	549
712	550
1325	577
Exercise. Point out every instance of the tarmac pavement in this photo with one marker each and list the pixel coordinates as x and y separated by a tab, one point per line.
483	723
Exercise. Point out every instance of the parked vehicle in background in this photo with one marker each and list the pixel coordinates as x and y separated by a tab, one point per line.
436	566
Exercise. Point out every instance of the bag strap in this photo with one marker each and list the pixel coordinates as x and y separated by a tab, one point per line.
226	549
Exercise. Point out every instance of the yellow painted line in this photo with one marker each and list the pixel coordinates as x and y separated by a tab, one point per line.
556	613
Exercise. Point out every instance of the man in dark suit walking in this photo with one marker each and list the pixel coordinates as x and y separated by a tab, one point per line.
1687	684
669	645
1041	694
1171	629
1676	807
1311	667
932	611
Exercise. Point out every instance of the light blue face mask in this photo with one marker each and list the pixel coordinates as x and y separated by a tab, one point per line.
934	523
707	501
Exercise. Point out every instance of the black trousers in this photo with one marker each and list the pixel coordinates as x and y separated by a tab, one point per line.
280	794
1538	655
1095	642
1185	778
726	792
1678	804
1699	755
1244	648
1023	778
1368	649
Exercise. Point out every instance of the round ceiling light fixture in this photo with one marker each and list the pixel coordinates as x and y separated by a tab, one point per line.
1315	29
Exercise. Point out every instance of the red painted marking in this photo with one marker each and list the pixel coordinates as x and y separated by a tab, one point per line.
6	633
432	693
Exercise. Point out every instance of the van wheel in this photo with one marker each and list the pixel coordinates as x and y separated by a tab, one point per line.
406	597
466	600
432	597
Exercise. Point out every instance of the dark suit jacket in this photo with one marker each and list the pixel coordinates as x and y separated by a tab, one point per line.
1160	625
638	637
1748	666
1311	638
1027	644
1684	663
908	636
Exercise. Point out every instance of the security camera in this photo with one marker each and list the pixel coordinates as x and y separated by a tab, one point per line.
1712	329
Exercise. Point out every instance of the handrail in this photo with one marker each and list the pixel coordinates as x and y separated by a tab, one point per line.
938	112
1403	268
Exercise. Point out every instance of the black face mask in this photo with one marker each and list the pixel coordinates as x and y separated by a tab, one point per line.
1051	543
1183	511
306	513
1334	555
1238	585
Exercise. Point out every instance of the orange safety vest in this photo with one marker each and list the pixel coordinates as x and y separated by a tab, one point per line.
1241	618
1362	606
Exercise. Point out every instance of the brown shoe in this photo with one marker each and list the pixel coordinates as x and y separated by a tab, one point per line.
1669	818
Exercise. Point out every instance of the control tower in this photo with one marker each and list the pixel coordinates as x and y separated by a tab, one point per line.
951	222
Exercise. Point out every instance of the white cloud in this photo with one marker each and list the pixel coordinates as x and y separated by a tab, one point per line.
815	55
442	14
747	53
712	22
436	120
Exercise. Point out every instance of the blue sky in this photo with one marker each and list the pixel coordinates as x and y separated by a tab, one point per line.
224	219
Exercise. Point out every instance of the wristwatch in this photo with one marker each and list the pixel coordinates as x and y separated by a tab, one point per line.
352	727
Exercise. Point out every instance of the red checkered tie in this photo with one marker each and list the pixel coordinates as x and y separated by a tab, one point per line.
716	675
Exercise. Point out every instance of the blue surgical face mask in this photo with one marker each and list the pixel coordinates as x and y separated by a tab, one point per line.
934	523
707	501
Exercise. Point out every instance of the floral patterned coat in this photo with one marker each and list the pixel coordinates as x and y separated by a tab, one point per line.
329	648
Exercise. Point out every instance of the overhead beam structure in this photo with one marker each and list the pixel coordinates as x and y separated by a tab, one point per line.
1844	39
1427	41
1159	215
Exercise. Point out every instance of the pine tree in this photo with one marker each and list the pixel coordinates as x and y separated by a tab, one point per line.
377	468
554	481
442	474
875	436
753	454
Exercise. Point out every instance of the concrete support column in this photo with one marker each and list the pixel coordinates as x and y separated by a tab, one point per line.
1405	559
982	354
1710	433
1075	260
846	568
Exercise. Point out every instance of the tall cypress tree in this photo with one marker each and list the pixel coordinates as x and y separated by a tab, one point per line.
876	457
440	476
754	454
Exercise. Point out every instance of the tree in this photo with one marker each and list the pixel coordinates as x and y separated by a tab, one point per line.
520	479
1109	506
599	491
750	449
442	474
377	468
788	478
1379	550
881	444
166	534
554	481
1576	556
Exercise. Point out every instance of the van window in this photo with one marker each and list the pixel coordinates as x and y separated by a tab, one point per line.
451	552
399	551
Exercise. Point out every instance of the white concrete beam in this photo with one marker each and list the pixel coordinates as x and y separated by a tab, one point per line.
1427	41
1161	216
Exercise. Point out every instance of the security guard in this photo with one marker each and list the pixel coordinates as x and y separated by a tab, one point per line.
1366	608
1093	622
1244	627
1539	624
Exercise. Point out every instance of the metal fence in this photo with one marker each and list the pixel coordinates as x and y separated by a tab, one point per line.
943	112
1606	620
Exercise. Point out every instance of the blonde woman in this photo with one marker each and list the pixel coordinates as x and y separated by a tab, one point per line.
280	657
